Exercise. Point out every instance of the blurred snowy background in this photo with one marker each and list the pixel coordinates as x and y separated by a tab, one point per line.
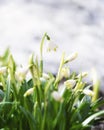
74	25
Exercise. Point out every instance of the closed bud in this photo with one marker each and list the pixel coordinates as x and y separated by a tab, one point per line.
56	95
3	70
70	58
65	72
20	74
88	92
83	74
29	92
31	60
46	76
70	83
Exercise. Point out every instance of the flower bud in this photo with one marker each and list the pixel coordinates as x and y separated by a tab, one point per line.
96	84
29	92
3	70
46	76
43	81
83	74
88	92
20	74
56	95
70	83
70	58
65	72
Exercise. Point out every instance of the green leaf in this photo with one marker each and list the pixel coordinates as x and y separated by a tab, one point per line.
81	111
97	104
92	117
29	117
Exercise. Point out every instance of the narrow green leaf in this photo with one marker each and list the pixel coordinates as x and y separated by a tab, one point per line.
92	117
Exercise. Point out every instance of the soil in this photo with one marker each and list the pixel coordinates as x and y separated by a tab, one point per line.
98	127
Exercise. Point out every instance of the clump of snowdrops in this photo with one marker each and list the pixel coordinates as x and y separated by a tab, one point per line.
42	101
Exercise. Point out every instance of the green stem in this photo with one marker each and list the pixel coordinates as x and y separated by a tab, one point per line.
3	81
41	54
44	117
60	67
45	102
58	115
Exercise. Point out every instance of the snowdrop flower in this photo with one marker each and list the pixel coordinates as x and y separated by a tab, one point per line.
57	95
83	74
20	74
88	92
65	72
71	57
29	92
43	80
70	83
3	70
46	76
52	46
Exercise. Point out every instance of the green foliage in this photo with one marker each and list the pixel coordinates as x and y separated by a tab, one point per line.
43	102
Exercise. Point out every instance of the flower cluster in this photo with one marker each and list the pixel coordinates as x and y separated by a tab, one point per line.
44	101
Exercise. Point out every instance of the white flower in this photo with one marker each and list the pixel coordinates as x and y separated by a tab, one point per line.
46	76
65	72
71	57
83	74
20	74
3	70
88	92
42	79
70	83
52	46
29	92
57	95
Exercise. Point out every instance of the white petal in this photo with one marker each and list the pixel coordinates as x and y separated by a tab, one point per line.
61	90
46	76
65	72
3	70
20	74
52	46
56	96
